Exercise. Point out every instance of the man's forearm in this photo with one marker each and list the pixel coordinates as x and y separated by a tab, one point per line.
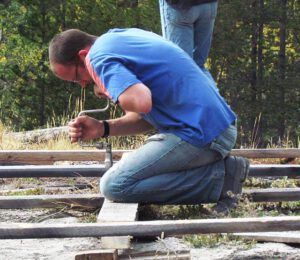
129	124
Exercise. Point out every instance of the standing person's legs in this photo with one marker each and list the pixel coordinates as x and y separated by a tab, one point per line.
190	29
203	31
178	26
169	170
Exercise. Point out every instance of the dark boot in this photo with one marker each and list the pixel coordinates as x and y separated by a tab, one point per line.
236	172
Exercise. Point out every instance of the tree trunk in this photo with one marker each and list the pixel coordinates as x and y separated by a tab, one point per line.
63	14
282	66
260	67
253	78
41	82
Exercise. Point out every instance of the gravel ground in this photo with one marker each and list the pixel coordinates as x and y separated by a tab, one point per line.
64	249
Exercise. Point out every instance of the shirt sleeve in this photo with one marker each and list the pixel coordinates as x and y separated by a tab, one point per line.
114	77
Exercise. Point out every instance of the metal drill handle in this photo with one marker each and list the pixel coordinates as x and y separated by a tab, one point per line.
93	111
83	112
108	161
100	145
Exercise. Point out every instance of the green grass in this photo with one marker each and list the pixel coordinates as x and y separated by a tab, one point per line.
26	192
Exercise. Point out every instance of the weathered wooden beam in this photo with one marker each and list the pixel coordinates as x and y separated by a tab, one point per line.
103	254
275	170
117	212
51	201
97	170
50	156
150	228
161	254
279	237
267	153
274	195
26	171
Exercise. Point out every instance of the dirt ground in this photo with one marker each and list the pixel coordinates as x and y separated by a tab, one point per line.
64	249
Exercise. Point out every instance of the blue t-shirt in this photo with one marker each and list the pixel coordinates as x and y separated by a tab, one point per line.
184	101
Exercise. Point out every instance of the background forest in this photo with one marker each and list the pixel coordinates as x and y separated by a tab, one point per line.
255	60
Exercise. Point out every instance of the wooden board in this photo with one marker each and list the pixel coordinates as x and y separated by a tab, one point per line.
280	237
273	195
46	171
103	254
121	211
50	156
157	255
267	153
117	212
152	228
274	170
97	170
51	201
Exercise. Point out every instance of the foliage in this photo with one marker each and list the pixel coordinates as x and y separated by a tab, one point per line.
255	59
213	240
246	60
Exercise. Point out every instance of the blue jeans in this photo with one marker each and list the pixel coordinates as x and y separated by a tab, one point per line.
168	170
191	29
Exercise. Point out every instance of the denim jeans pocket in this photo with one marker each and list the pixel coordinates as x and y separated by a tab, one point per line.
174	15
225	141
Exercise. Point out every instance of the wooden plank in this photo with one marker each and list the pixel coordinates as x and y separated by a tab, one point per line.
157	255
267	153
280	237
117	212
42	171
51	201
123	211
103	254
273	195
50	156
274	170
97	170
149	228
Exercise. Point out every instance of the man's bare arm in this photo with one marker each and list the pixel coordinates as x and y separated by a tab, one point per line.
87	128
129	124
136	98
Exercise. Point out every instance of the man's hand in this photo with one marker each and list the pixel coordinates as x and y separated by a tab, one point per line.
85	128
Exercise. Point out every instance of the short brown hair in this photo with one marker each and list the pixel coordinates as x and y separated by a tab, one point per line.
64	47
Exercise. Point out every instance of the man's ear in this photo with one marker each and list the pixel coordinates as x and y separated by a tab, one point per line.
82	54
